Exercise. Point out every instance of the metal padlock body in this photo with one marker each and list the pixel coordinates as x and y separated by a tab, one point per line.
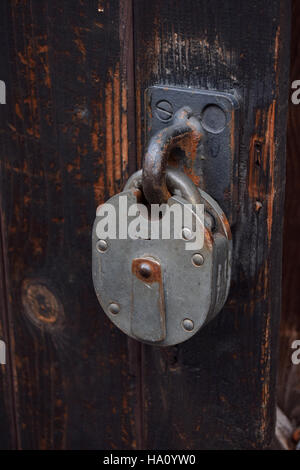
193	293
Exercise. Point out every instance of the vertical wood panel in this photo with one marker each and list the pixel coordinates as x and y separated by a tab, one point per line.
66	145
218	389
289	374
8	420
8	428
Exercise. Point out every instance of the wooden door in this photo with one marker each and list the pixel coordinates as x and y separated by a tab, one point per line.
71	134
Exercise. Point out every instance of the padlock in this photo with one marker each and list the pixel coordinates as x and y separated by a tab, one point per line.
162	290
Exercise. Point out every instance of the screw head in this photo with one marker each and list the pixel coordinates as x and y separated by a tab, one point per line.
114	308
197	260
101	246
164	110
187	234
145	270
213	119
187	324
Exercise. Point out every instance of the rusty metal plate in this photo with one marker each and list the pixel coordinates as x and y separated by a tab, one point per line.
213	165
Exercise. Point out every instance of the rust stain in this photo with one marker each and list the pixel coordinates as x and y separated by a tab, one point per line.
95	137
124	129
109	157
276	54
26	199
42	49
125	404
12	128
262	161
99	188
296	435
152	273
189	145
57	220
116	124
79	42
18	111
270	136
47	79
208	239
255	153
75	165
80	46
23	60
138	126
31	59
36	246
265	372
116	134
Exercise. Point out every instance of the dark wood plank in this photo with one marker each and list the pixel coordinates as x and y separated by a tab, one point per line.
289	374
66	145
8	429
9	438
218	389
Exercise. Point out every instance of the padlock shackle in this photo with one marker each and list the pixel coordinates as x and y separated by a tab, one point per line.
176	180
154	182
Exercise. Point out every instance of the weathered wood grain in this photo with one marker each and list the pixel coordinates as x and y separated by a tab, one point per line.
217	391
289	374
8	423
66	144
8	428
68	137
